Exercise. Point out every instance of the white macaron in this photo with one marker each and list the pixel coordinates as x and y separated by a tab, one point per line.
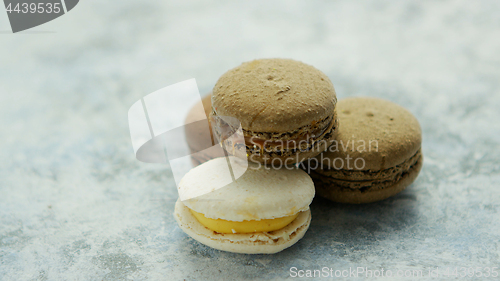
264	211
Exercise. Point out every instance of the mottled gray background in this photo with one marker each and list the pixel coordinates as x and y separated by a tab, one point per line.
76	205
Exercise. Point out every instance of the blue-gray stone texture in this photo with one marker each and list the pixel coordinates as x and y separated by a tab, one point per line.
76	205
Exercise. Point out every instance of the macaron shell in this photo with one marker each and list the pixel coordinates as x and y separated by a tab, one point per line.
195	137
384	134
274	95
196	114
355	178
375	193
199	111
248	243
260	193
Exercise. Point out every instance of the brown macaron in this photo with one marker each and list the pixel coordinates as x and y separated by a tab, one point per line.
376	154
286	109
196	137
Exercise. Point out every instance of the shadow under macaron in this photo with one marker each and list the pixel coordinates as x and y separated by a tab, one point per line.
364	224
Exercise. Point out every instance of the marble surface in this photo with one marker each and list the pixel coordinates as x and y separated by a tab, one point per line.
76	205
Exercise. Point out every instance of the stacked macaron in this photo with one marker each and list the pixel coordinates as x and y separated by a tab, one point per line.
288	113
286	110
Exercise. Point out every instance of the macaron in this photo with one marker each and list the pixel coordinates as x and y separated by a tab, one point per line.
286	109
262	212
376	154
197	138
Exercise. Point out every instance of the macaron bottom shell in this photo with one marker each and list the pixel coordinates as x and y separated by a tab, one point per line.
376	192
246	243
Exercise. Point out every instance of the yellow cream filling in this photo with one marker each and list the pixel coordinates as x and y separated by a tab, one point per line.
250	226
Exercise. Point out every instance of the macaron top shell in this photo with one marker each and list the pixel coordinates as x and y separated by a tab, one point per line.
384	134
274	95
260	193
